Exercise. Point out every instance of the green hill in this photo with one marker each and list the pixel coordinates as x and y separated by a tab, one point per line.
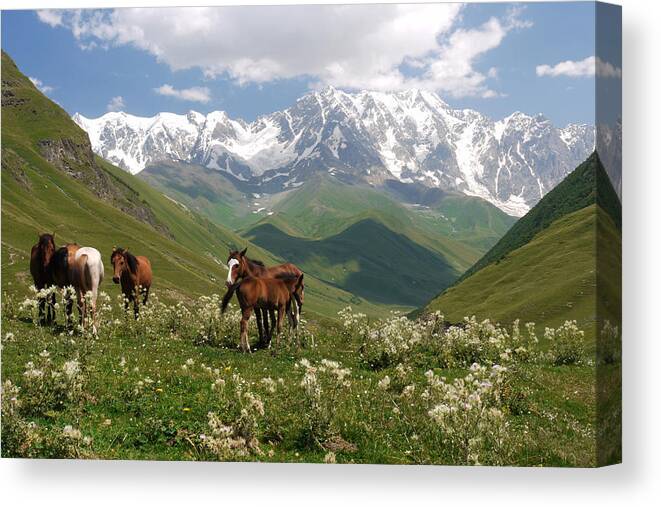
587	184
51	181
324	206
367	259
549	280
206	191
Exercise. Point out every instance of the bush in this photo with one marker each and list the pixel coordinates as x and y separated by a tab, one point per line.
567	343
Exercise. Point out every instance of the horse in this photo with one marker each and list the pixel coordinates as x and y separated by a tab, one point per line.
240	266
135	275
266	294
82	268
41	256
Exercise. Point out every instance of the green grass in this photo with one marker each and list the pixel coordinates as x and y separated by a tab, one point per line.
547	281
551	415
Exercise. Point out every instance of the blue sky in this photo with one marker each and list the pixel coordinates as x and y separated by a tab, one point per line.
496	58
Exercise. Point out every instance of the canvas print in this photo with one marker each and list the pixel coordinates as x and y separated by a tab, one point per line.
385	234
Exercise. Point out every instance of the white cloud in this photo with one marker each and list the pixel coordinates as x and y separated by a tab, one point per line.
587	67
50	17
43	88
116	104
351	46
194	94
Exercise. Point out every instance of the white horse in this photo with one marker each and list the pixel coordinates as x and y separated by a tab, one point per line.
87	274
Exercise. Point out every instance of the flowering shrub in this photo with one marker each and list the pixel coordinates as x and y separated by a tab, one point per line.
235	422
322	386
468	413
567	343
24	438
354	324
388	341
47	386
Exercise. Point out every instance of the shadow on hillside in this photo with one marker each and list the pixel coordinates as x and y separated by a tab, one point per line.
385	266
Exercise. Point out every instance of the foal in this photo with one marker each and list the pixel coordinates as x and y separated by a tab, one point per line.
239	266
42	273
135	275
265	294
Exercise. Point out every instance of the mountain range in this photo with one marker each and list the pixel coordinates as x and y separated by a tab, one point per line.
409	137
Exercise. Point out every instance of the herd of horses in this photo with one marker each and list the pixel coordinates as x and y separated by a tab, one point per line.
269	292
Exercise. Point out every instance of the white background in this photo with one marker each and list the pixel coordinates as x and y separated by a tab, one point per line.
636	482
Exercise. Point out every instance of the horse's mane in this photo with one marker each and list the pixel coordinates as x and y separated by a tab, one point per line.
45	240
255	261
131	261
60	260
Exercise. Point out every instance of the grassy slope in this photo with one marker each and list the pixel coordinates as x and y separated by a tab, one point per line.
549	280
587	184
37	197
367	259
205	191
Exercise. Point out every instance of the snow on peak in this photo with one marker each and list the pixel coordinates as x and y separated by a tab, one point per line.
410	135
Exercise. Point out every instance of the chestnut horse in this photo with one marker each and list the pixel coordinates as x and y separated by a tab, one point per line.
240	266
134	273
266	294
82	268
40	267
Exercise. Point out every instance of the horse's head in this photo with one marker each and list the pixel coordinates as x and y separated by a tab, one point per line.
299	291
46	246
237	266
121	259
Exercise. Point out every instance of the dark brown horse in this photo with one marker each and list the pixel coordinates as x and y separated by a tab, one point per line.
240	266
41	257
134	273
266	294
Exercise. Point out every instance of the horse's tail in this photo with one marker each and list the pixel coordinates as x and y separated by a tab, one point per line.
228	295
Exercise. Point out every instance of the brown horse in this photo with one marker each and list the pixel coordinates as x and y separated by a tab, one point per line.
40	267
82	269
266	294
240	266
134	273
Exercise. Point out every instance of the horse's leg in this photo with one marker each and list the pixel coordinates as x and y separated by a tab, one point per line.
260	330
82	303
51	308
278	329
42	305
293	322
245	318
268	330
145	294
68	310
272	314
136	303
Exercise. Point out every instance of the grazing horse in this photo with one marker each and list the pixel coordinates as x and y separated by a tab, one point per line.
240	266
134	273
272	294
82	268
40	267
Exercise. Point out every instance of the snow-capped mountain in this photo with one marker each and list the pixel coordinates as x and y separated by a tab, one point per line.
411	136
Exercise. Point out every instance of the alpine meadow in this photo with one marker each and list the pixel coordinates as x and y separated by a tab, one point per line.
345	264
